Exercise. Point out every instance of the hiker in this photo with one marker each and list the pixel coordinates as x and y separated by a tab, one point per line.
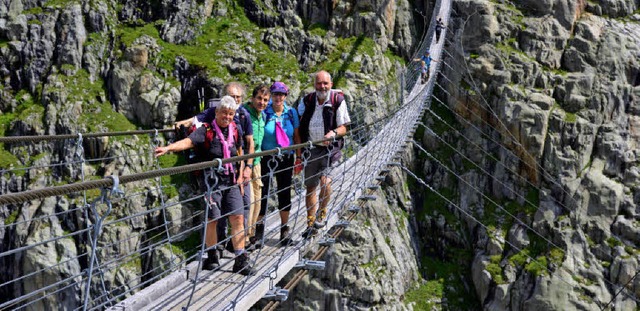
280	130
439	27
242	118
425	62
256	106
221	140
424	72
324	115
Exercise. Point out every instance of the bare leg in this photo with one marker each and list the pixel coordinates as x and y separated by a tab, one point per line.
311	200
284	217
237	231
325	193
212	235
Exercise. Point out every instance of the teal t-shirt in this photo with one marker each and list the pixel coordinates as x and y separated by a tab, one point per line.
257	122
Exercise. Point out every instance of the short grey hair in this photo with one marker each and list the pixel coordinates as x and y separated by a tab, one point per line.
227	102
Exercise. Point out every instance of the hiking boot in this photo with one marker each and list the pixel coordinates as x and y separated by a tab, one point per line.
242	266
229	247
285	236
309	233
321	221
311	220
256	240
248	245
211	262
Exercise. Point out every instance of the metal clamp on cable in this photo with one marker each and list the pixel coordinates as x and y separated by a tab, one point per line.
373	187
394	164
327	241
219	169
354	209
79	148
342	223
115	189
368	197
310	264
276	294
156	141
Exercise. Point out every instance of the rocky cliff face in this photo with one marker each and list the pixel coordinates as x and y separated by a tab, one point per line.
552	126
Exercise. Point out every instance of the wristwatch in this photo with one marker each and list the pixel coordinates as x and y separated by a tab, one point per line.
335	132
249	165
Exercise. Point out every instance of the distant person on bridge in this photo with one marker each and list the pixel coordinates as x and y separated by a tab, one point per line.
256	106
425	62
439	27
221	140
280	130
324	115
243	120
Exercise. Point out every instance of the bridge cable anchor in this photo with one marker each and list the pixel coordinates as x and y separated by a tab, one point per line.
310	264
276	294
327	241
342	223
368	197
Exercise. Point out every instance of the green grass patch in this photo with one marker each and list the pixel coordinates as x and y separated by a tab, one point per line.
9	160
337	63
537	267
34	11
170	182
318	29
401	218
613	242
437	204
453	270
96	116
190	245
220	38
13	216
133	262
101	117
495	270
570	117
425	294
59	4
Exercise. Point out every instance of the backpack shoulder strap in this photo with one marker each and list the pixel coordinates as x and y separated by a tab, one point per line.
336	99
310	99
234	128
209	135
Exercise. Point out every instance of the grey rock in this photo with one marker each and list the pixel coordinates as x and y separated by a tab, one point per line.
71	36
481	277
544	39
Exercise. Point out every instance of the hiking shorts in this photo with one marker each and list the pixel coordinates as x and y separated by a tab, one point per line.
225	201
319	164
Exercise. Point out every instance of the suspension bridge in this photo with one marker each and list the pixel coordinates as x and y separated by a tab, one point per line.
174	279
94	273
